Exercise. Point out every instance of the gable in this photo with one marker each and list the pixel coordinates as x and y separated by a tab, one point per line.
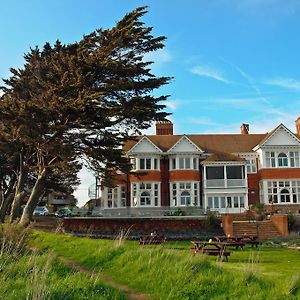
185	145
144	145
281	137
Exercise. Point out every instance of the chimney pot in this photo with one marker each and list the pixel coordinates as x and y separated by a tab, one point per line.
244	128
298	125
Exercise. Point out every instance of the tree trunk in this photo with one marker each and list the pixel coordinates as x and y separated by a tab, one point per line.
5	205
34	198
19	193
7	199
16	206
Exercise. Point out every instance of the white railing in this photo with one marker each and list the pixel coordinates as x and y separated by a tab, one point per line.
214	183
224	183
236	182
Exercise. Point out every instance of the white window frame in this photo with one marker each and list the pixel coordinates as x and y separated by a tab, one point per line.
115	197
178	187
138	188
150	163
184	162
275	188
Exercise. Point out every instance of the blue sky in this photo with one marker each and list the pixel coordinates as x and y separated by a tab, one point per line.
233	61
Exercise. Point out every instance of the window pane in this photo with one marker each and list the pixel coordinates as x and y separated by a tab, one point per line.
216	202
173	163
155	164
181	163
195	167
236	201
229	202
187	163
223	202
242	201
148	163
209	202
234	172
214	172
142	163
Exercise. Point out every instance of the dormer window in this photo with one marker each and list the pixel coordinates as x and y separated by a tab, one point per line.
270	157
282	160
294	159
145	163
184	163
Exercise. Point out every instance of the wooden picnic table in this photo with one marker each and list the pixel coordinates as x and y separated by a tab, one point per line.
250	239
210	248
153	239
230	241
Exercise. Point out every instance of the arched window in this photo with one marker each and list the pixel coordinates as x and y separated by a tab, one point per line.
185	198
282	160
145	198
285	196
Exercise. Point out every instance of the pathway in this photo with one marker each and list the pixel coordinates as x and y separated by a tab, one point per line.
131	294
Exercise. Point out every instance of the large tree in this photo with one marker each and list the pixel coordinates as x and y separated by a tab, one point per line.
83	100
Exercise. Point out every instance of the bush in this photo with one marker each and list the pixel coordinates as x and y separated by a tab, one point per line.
14	239
212	220
291	221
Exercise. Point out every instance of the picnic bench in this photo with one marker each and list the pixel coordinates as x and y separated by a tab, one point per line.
250	239
211	248
230	241
152	239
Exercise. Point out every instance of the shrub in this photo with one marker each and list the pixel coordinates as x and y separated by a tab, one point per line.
291	221
212	220
14	239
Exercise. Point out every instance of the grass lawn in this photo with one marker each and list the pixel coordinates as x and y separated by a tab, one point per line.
43	276
172	272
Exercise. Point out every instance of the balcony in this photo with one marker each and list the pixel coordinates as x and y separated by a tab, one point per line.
225	183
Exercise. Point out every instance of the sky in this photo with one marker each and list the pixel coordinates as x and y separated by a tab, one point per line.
232	61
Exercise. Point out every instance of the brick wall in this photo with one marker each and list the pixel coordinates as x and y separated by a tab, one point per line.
279	173
180	227
186	175
253	188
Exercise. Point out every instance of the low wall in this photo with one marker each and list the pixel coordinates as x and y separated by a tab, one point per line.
171	227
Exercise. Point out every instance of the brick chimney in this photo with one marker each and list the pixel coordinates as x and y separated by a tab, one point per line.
244	128
164	127
298	125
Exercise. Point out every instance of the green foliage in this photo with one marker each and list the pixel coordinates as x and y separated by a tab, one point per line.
13	239
212	221
291	221
38	276
84	99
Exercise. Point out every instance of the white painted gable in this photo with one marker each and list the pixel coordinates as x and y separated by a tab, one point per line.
185	145
282	137
144	145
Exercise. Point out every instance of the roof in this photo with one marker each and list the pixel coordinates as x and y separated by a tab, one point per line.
211	143
221	156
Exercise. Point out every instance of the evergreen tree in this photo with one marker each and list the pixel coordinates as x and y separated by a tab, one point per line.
83	100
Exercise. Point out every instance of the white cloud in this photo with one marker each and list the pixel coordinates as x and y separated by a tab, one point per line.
249	80
159	57
288	83
209	72
173	104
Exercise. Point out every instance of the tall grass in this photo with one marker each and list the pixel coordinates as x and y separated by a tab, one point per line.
13	239
27	274
172	272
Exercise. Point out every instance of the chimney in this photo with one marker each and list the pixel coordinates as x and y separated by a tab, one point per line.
298	125
164	127
244	128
